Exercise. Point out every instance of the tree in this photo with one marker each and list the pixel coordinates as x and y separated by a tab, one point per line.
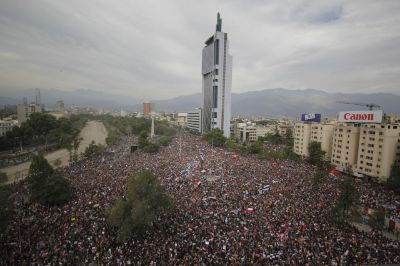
315	153
93	149
3	178
56	191
165	140
151	147
39	172
44	187
57	162
319	175
255	148
377	220
393	181
6	207
143	139
144	201
215	137
289	137
348	197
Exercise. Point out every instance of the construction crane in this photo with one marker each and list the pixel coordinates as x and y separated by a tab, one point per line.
370	106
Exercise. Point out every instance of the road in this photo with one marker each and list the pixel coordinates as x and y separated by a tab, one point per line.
92	131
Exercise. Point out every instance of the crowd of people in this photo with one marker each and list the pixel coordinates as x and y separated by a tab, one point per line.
228	210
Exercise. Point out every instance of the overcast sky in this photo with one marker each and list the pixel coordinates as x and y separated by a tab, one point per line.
152	49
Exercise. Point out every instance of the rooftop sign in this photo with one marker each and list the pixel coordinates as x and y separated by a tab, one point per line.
311	117
361	116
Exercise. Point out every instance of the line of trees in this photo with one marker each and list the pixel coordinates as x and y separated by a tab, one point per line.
42	129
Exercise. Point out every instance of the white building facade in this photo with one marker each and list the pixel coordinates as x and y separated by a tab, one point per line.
194	120
217	82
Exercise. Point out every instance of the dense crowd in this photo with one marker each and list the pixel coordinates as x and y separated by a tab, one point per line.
228	210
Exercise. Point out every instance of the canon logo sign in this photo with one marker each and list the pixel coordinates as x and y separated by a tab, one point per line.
361	116
348	116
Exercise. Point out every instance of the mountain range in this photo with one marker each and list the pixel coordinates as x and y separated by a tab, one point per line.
269	102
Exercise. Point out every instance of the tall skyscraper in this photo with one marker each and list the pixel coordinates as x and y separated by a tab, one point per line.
38	97
147	108
217	81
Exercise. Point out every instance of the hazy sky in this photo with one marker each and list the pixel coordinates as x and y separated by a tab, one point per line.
153	48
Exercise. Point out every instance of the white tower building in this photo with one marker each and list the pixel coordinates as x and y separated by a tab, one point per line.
217	82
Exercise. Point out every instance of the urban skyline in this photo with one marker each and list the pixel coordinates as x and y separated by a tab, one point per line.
332	46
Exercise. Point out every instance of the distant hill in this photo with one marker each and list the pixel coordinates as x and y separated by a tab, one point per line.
269	102
283	102
80	97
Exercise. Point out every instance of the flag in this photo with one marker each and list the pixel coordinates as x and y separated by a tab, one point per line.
248	210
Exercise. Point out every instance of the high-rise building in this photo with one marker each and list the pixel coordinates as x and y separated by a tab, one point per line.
38	97
194	120
25	110
217	82
378	148
147	108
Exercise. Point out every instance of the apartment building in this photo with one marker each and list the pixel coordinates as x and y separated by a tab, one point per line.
302	137
284	129
379	147
322	133
305	132
345	145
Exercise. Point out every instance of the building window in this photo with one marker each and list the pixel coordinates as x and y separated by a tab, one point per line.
216	52
214	115
215	96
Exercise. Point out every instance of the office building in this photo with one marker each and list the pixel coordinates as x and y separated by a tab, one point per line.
217	82
194	120
249	131
181	119
25	110
147	108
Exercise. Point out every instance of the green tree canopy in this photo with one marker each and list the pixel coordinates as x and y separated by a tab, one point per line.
315	153
319	175
151	147
393	181
144	201
93	149
215	137
46	188
56	191
348	197
377	220
39	172
3	178
143	139
6	207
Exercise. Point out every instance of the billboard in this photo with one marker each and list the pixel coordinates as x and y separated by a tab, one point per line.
311	117
374	116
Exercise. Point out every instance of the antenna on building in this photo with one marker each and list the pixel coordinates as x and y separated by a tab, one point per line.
218	27
38	98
